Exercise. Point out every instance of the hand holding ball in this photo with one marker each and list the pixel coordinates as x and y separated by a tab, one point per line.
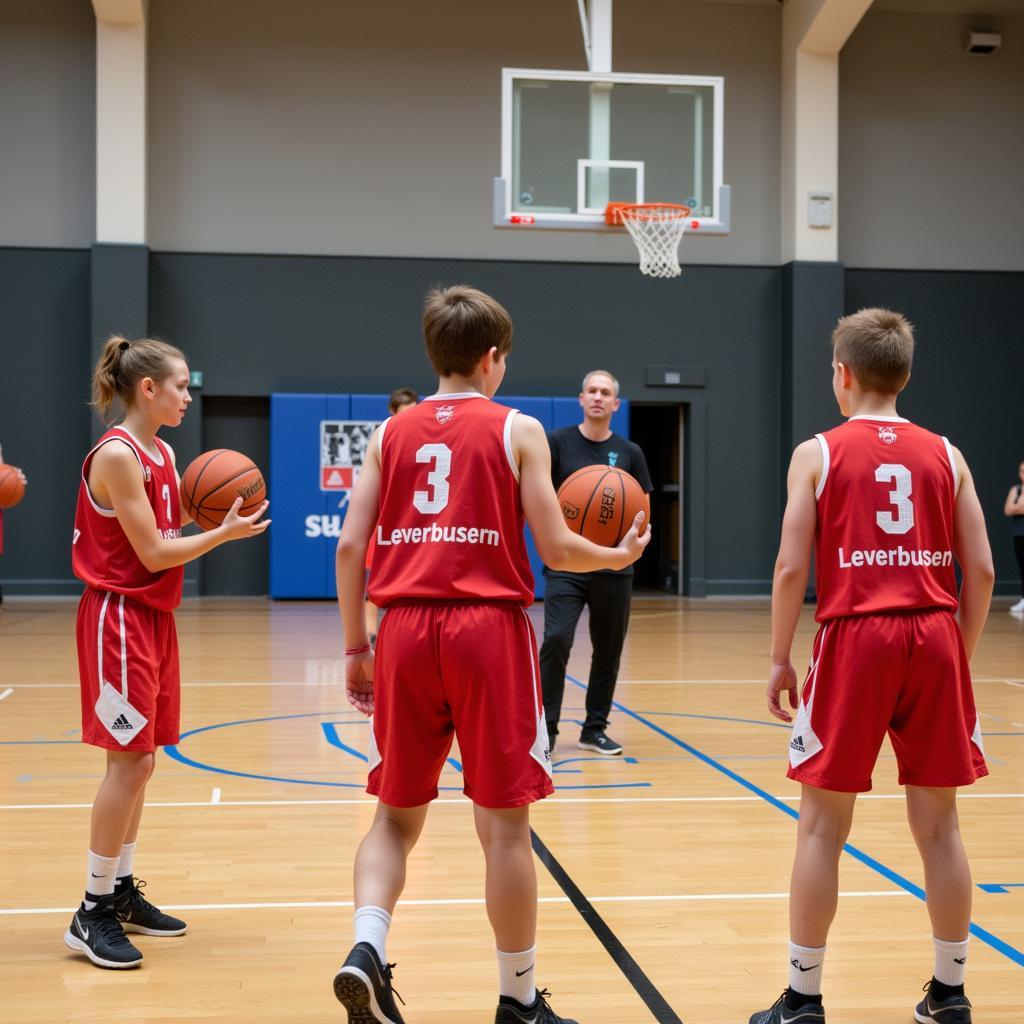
601	502
12	485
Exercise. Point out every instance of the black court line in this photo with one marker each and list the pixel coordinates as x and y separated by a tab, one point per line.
633	972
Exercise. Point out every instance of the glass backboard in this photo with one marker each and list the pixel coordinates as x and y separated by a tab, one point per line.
573	141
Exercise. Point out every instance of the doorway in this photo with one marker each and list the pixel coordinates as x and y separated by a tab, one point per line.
658	428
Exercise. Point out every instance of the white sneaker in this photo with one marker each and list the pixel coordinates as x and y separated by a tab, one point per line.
1018	607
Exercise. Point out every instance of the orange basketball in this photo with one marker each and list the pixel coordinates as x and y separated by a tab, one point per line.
12	490
599	503
212	482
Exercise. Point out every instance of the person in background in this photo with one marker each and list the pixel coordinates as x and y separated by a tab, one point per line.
24	481
1014	508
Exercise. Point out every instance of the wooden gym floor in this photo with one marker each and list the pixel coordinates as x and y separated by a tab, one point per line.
682	848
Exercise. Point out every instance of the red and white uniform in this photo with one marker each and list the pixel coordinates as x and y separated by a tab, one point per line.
888	656
455	651
127	644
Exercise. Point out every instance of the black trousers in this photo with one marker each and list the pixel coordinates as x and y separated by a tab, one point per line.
608	597
1018	550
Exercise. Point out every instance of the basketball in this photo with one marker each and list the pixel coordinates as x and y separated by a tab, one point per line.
12	490
599	503
212	482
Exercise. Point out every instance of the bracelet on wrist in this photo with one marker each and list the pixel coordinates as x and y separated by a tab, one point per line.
361	649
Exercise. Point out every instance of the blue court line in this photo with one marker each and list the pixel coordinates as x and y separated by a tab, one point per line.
720	718
999	886
1010	952
331	735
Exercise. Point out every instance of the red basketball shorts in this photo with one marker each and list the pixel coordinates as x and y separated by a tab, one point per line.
450	669
128	670
901	674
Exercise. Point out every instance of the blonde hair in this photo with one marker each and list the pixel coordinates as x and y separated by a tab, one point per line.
603	373
462	324
878	347
123	364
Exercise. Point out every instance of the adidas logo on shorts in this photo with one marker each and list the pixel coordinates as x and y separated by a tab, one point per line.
122	723
797	743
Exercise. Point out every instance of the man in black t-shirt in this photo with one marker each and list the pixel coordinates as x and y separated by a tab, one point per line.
606	592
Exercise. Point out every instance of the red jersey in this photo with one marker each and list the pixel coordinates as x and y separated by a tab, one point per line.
450	522
884	538
101	555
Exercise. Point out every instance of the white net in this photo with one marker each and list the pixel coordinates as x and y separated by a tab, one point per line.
657	230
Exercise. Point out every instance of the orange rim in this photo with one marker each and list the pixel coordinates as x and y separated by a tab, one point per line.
613	211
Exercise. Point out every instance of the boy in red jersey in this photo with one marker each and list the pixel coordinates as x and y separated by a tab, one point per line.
128	550
444	490
887	507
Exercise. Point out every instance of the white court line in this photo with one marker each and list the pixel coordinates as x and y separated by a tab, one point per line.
700	897
464	801
215	795
6	693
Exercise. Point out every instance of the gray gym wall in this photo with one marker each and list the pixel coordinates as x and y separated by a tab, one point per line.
265	137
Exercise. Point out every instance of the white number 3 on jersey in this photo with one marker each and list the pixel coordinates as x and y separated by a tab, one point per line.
437	478
903	520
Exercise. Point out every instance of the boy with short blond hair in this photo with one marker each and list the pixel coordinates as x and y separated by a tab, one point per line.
887	506
445	488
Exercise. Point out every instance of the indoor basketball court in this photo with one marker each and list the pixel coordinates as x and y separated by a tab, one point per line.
688	193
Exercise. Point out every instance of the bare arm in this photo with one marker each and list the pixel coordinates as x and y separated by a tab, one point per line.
115	476
350	574
792	568
972	550
558	547
1014	506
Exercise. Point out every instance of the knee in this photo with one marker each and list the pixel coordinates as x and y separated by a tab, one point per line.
828	828
133	771
557	643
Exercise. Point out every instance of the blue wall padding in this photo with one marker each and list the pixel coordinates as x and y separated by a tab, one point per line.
307	521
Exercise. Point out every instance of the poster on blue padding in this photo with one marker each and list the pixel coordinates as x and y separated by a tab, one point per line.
318	446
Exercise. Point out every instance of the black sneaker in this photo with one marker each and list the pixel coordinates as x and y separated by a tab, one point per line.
954	1010
780	1013
98	934
601	742
363	987
140	915
511	1011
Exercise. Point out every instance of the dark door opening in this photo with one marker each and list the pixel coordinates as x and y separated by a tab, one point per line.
243	424
658	429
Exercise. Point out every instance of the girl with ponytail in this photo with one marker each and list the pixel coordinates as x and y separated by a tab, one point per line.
129	552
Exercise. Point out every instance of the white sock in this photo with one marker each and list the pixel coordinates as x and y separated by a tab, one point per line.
950	961
100	877
372	924
805	969
517	976
124	868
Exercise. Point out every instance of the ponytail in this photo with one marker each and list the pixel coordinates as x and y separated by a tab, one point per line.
122	365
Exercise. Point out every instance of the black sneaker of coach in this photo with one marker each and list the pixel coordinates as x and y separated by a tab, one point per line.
955	1009
98	934
511	1011
363	987
601	742
781	1013
139	915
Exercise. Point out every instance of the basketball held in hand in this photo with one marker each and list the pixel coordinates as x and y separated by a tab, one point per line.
600	503
12	490
212	482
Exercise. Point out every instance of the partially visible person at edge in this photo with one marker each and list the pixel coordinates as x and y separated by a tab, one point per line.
608	592
1014	508
24	481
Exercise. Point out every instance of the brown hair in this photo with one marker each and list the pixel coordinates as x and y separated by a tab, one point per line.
878	347
460	325
123	364
400	397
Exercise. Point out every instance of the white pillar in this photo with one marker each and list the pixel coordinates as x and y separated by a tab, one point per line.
120	121
813	33
599	13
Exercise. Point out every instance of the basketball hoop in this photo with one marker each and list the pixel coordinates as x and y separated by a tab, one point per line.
657	229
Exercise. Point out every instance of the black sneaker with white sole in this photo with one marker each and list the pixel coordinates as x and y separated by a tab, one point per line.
363	987
601	742
511	1011
780	1013
98	934
952	1010
140	915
